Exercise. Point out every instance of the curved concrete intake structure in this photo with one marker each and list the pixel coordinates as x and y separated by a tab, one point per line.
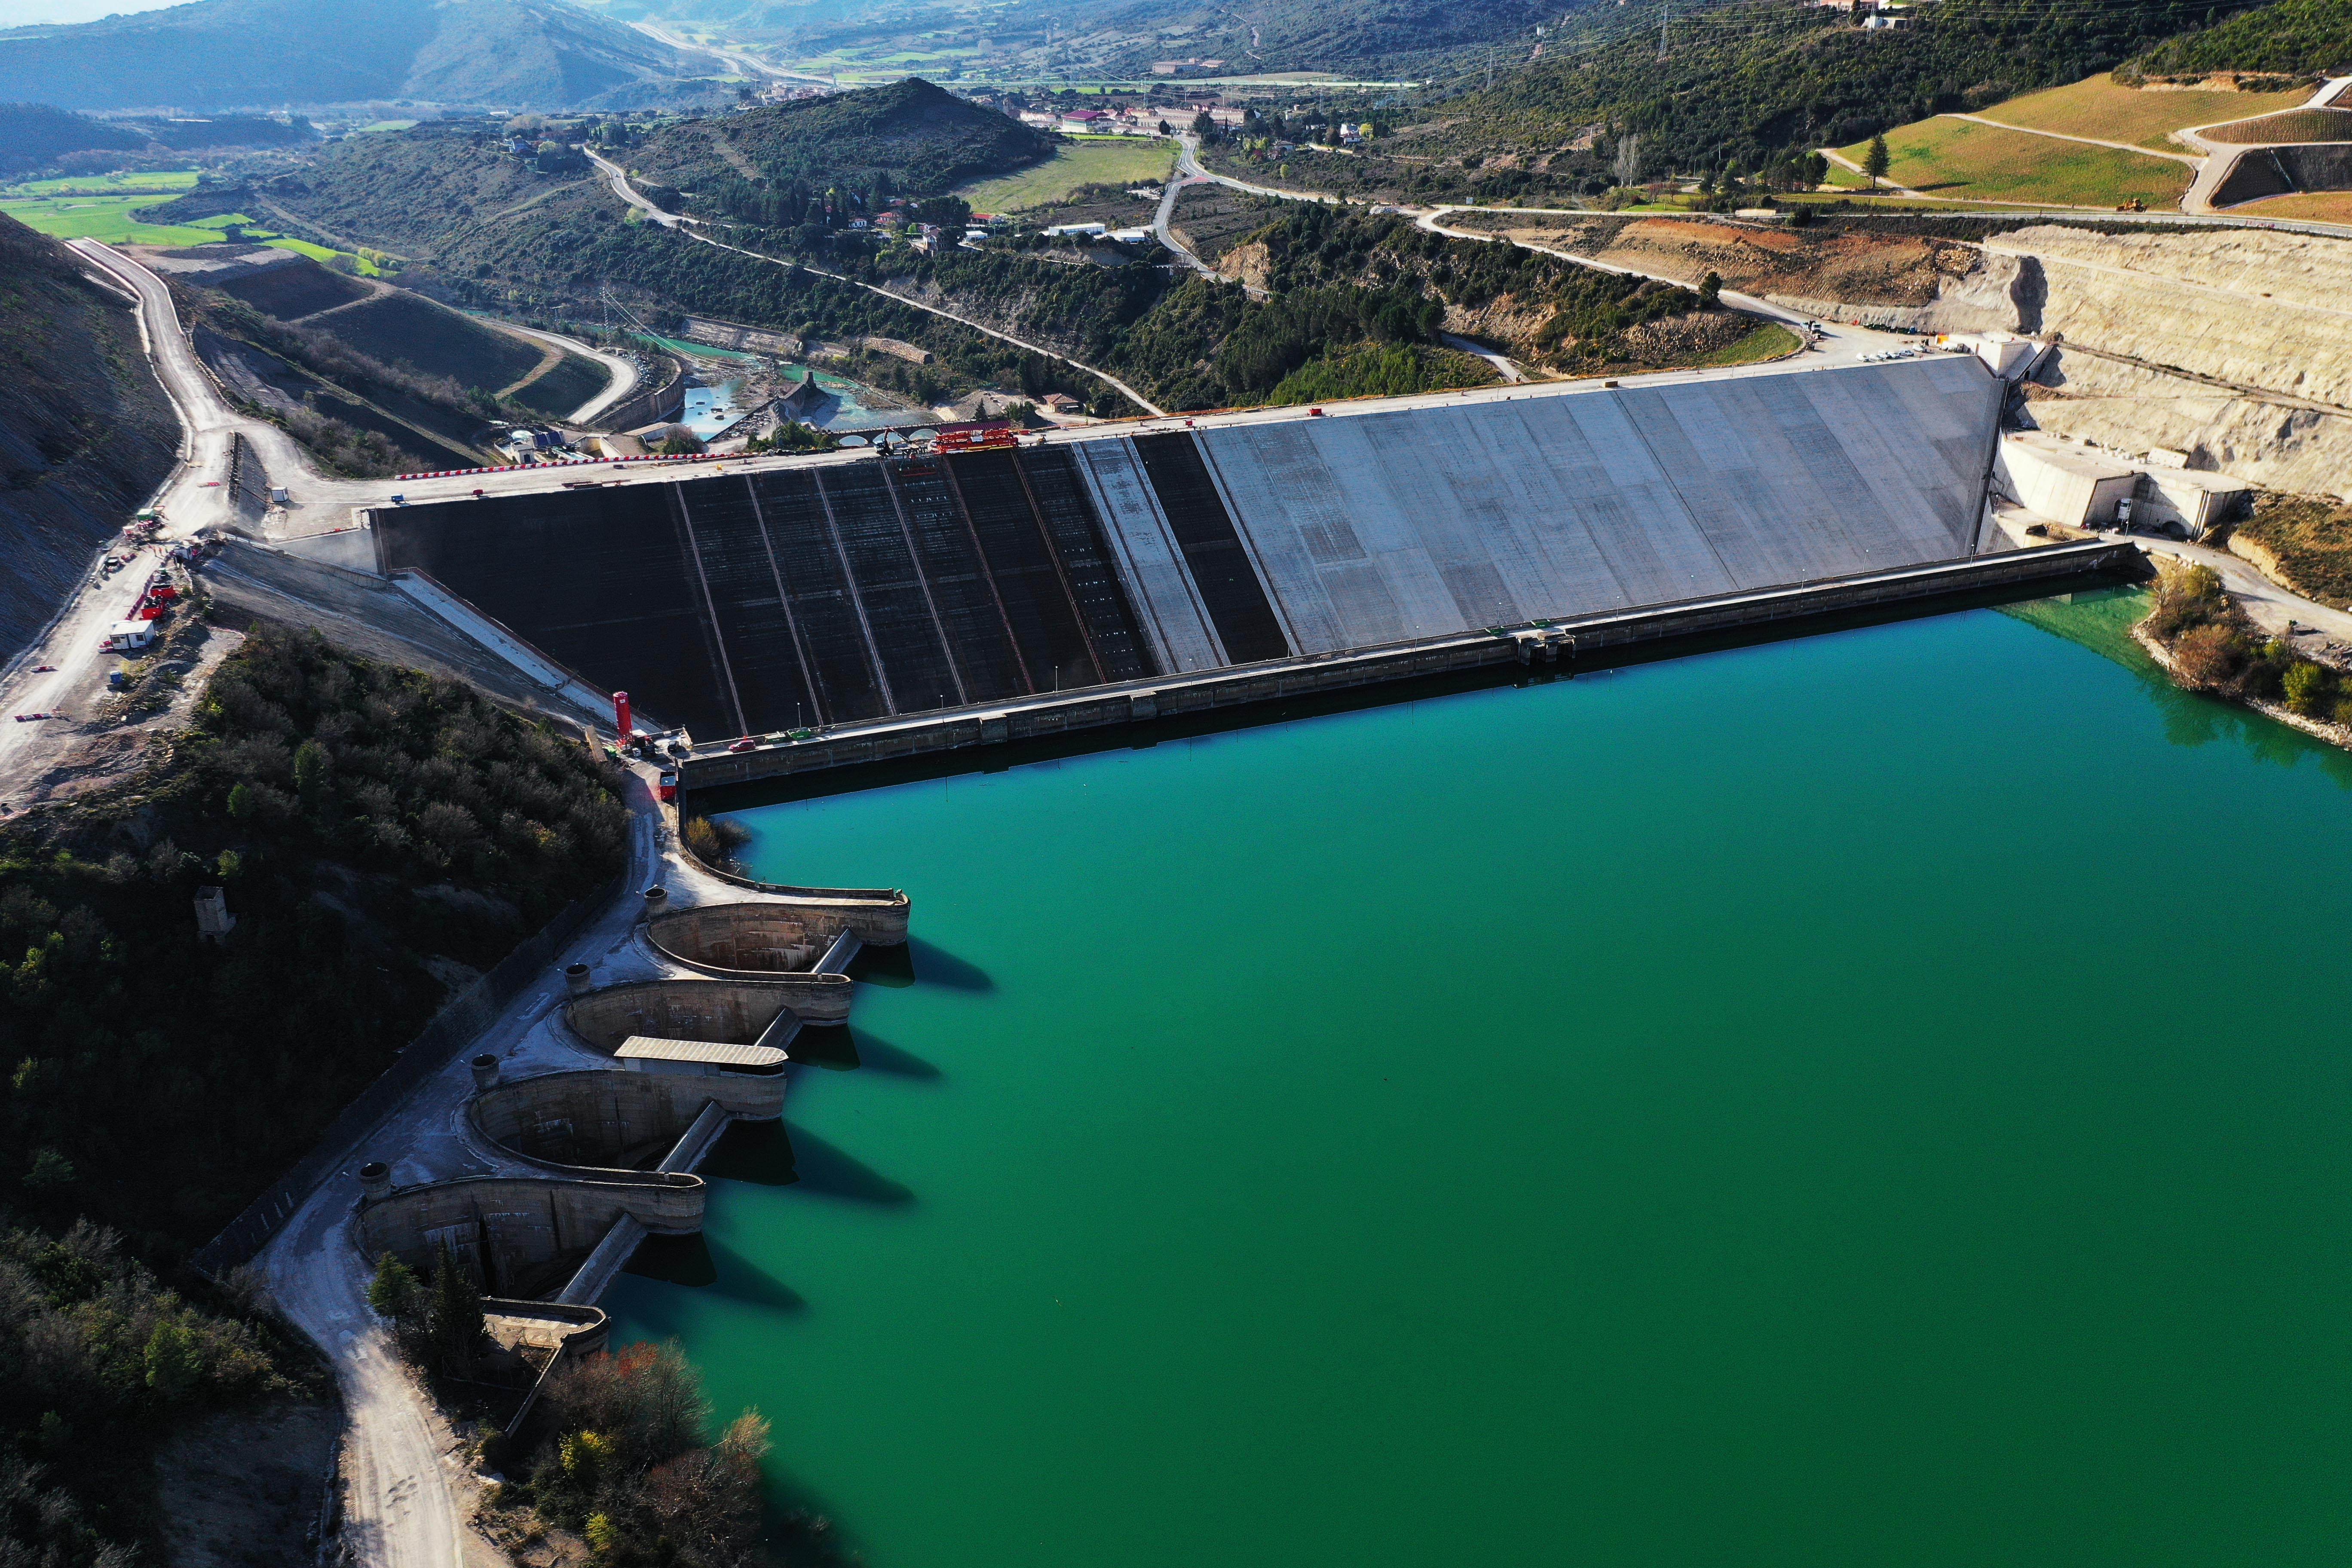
728	1012
767	940
595	1120
877	915
527	1235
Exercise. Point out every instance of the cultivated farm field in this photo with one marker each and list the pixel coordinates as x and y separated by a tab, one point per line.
1087	161
2296	125
1948	157
2102	109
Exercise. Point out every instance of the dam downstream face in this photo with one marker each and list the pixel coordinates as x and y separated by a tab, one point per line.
1793	1106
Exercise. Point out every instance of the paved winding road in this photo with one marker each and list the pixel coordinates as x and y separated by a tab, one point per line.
406	1495
195	496
690	227
1837	344
623	369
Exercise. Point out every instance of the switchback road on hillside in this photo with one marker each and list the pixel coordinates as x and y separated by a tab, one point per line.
691	229
623	369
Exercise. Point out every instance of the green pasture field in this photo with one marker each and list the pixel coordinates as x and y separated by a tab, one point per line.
263	235
104	218
159	182
1948	157
1087	161
108	219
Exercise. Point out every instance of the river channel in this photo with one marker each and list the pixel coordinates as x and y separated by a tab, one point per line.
1876	1098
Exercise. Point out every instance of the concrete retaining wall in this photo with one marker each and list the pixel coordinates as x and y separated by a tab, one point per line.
598	1117
661	396
729	1012
526	1233
878	915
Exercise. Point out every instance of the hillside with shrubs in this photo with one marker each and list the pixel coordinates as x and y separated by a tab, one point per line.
380	835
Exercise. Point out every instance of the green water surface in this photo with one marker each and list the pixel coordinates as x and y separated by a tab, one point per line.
1873	1100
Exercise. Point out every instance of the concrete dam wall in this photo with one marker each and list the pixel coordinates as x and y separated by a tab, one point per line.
849	589
753	940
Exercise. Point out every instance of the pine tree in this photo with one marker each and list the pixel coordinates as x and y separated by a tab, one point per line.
395	1292
454	1318
1875	162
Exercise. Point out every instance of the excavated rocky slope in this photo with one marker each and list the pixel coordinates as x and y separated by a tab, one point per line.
2233	345
86	433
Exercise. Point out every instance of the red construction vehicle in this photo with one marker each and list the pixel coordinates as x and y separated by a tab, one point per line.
979	437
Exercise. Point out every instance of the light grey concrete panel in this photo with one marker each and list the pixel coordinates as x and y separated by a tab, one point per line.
1411	522
1875	417
1171	611
1373	465
1265	485
1360	595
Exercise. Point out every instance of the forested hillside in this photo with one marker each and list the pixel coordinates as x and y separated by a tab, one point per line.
85	434
908	138
33	133
1311	35
1358	304
1751	82
2299	38
380	833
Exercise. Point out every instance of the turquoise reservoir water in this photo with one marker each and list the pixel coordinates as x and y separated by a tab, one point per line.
1879	1098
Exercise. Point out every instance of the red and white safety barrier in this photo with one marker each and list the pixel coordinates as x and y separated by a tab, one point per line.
581	463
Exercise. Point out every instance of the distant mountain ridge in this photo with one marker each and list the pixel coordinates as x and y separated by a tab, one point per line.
232	54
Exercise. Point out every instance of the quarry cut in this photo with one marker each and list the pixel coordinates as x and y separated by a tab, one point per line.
855	587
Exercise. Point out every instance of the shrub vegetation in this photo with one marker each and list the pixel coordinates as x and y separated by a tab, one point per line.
369	823
2215	648
625	1465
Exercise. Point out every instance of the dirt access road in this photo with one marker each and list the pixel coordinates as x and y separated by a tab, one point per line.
196	496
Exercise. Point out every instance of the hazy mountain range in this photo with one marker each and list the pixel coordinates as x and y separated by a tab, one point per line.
235	54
